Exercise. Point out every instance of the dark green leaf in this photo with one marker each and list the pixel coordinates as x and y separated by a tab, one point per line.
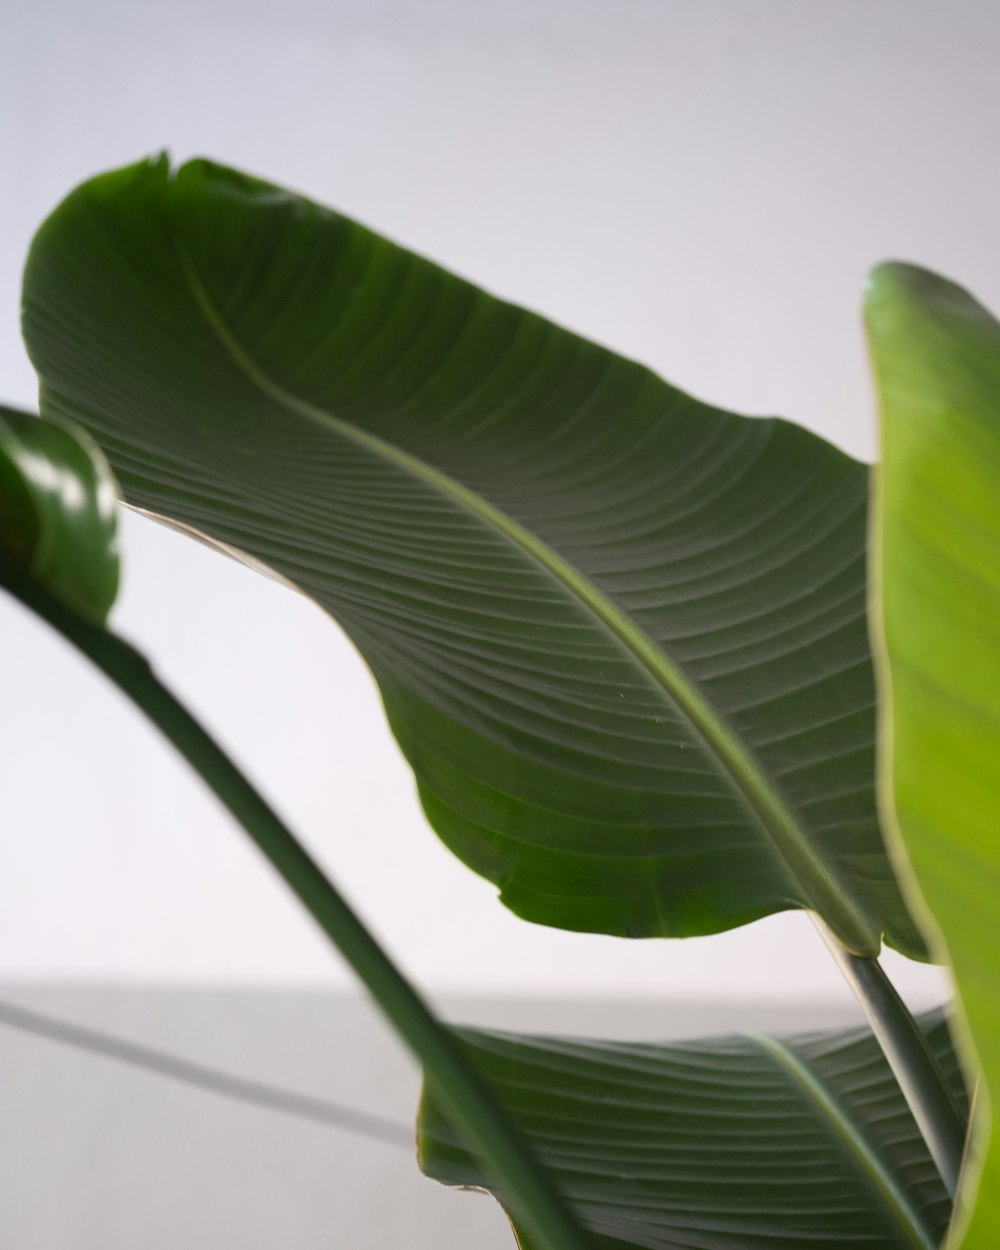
738	1143
58	521
620	635
937	361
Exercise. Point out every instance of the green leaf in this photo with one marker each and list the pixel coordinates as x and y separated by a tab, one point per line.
58	519
738	1143
937	361
620	635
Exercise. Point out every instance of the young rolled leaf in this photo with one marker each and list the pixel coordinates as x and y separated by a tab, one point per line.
937	362
620	635
740	1143
58	518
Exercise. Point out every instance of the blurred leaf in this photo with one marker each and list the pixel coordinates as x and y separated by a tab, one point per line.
620	635
58	520
937	361
737	1143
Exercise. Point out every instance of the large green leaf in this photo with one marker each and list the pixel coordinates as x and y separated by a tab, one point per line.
620	635
738	1143
58	519
937	360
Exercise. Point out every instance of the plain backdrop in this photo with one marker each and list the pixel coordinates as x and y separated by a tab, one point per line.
700	186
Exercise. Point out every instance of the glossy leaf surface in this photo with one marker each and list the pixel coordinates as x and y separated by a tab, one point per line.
620	635
738	1143
937	361
58	522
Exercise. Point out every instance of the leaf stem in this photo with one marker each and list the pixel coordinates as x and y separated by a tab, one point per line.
448	1071
912	1061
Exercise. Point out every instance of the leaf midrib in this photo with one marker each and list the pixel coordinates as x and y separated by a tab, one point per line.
823	891
896	1201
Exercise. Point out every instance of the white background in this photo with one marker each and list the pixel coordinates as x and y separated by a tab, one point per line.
699	186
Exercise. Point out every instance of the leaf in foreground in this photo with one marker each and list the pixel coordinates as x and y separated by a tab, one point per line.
620	635
937	362
739	1143
58	555
58	517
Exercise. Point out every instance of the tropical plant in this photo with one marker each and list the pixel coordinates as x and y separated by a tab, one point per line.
623	640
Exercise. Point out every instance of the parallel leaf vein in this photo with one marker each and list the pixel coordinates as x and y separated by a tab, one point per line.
813	875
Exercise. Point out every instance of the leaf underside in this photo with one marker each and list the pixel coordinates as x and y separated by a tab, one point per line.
737	1143
619	634
937	361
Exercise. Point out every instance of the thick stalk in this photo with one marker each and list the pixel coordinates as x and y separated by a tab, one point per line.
447	1069
913	1063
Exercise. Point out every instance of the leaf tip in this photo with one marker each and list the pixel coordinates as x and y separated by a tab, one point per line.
906	285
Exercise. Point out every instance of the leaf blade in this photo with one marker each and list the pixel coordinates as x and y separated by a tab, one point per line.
635	656
936	352
745	1141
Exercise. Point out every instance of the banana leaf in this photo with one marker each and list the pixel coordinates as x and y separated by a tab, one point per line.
619	634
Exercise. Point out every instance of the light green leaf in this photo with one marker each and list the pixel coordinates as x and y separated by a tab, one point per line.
739	1143
58	519
620	634
937	362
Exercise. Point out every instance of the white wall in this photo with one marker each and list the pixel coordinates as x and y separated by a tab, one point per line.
700	186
